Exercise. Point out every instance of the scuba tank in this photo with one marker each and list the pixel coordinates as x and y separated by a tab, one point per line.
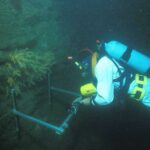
130	57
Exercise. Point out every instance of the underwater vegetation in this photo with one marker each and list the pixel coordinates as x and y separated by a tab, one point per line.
23	24
23	68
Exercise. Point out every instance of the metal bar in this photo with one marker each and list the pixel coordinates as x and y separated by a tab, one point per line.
17	120
38	121
64	91
68	118
73	111
49	88
58	129
13	98
64	125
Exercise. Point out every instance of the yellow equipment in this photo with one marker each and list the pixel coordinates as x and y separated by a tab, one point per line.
87	89
139	92
94	60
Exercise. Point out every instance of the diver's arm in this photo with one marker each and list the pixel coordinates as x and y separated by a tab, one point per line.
105	86
81	100
95	101
86	101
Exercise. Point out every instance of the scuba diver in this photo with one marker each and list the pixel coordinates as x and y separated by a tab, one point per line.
115	67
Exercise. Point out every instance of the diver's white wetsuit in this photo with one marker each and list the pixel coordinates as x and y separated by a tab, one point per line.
105	72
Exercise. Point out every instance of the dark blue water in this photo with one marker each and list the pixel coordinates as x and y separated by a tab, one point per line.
88	20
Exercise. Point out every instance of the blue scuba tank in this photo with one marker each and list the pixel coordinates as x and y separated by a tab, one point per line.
131	57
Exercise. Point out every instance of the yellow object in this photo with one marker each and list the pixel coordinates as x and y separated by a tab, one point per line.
141	79
94	62
139	92
87	89
78	65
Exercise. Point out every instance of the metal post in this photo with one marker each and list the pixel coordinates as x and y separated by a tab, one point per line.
58	129
64	125
49	87
65	91
17	120
73	111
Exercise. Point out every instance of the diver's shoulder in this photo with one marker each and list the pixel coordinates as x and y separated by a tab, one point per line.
104	60
103	65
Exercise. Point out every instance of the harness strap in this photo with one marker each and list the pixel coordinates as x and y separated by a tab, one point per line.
125	75
138	92
148	72
121	75
127	54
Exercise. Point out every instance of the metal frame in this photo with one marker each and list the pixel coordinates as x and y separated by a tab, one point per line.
58	129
